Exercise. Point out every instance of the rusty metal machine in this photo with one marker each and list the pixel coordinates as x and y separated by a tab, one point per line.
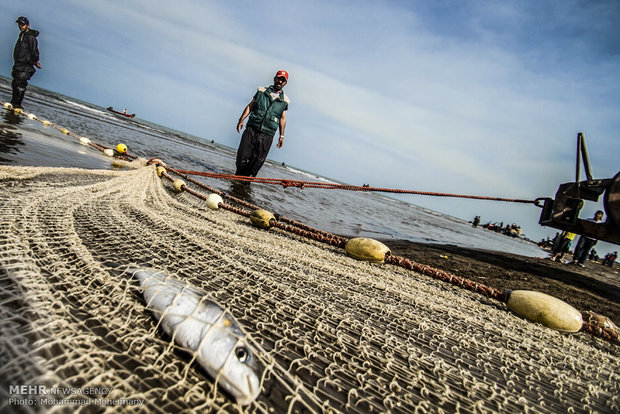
563	211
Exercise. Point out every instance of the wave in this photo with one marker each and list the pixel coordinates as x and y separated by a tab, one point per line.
309	175
85	107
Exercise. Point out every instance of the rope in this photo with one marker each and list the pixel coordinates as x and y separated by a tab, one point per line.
448	278
600	331
282	222
331	186
279	218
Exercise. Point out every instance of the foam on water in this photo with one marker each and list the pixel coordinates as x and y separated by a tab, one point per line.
85	108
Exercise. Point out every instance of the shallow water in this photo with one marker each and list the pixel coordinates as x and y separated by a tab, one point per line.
27	142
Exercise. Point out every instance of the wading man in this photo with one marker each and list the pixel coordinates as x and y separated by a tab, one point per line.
25	56
267	114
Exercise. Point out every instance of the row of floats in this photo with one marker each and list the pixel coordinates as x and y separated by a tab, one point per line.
535	306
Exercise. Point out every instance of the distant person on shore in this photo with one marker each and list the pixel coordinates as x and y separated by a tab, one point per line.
610	258
267	112
25	56
476	221
562	246
584	244
593	255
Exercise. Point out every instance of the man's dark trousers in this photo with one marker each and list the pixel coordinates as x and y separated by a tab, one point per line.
21	76
252	152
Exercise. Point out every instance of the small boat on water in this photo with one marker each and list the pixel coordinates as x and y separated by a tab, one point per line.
123	113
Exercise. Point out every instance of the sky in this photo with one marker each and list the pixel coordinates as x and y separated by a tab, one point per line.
458	96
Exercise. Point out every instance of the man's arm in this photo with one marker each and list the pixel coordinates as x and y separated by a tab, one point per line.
244	115
282	126
34	51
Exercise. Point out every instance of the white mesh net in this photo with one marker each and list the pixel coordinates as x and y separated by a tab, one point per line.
330	333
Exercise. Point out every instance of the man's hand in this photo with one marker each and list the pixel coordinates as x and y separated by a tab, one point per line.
38	65
240	125
280	142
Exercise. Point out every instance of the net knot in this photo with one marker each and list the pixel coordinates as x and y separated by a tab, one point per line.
291	183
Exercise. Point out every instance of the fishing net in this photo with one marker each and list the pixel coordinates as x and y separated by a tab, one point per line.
330	333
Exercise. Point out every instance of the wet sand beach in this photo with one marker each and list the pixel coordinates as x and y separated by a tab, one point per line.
593	288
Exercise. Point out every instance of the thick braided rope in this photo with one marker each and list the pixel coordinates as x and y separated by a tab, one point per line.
448	278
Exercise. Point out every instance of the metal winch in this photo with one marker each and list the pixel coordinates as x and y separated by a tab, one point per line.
562	212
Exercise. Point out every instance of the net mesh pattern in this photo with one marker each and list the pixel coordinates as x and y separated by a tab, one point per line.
331	333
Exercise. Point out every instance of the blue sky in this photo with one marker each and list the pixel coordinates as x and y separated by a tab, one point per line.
472	97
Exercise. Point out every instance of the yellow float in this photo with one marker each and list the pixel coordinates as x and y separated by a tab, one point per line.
545	309
178	185
369	250
121	149
262	219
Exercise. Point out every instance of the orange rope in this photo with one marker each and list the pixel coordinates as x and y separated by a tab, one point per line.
331	186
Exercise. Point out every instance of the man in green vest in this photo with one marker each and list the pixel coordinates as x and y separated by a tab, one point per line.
267	114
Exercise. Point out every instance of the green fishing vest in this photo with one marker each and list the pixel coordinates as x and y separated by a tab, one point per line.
266	113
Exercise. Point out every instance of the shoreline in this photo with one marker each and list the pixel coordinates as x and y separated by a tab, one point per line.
594	288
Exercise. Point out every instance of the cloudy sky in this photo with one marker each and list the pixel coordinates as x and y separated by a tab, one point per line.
472	97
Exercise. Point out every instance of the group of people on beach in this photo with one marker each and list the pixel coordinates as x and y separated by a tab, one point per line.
266	112
511	230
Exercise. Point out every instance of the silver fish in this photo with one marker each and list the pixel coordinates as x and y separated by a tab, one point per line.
201	325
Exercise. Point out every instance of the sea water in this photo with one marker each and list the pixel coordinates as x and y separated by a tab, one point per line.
352	214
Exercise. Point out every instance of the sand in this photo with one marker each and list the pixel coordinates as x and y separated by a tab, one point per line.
593	288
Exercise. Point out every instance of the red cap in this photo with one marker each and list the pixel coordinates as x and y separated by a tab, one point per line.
282	74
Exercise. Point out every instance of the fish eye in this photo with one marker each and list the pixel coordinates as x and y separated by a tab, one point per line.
242	354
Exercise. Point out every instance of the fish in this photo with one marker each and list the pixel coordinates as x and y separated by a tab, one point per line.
201	325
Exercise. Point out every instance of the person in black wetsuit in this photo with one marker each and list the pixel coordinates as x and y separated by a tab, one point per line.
26	57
